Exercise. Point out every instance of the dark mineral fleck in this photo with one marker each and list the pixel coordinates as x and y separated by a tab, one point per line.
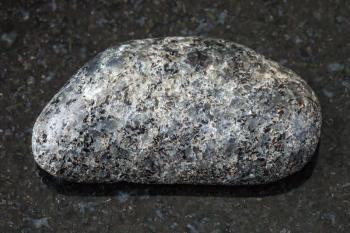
179	110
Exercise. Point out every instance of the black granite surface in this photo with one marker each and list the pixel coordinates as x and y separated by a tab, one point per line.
43	43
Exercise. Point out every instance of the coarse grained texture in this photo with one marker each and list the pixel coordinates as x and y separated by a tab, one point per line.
179	110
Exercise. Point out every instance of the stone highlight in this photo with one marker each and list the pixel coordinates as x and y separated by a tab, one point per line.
179	110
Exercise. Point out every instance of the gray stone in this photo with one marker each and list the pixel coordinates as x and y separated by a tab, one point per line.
179	110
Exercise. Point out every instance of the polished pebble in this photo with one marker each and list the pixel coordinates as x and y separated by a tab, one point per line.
179	110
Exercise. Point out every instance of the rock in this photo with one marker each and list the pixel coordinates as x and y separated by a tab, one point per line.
179	110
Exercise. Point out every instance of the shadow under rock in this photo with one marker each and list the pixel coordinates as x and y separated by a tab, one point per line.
282	186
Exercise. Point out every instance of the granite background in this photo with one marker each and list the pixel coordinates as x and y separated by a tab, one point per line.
43	43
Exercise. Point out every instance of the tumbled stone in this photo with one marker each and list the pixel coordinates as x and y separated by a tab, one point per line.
179	110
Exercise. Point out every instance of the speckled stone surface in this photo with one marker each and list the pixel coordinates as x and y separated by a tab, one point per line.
179	110
44	43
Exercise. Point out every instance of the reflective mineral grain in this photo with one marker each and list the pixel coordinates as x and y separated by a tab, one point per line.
179	110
